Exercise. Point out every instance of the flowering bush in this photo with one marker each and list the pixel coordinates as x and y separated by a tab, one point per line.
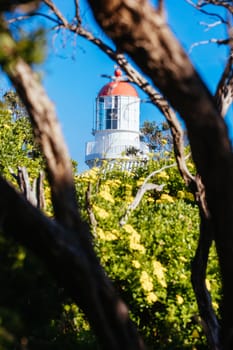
149	257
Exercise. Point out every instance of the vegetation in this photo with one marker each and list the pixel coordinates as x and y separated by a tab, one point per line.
146	251
148	258
157	136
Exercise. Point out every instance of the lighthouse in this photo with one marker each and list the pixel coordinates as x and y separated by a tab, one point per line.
116	124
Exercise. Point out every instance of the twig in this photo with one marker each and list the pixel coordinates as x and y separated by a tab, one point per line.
142	190
224	92
77	13
140	193
211	41
56	11
90	212
210	25
198	7
226	4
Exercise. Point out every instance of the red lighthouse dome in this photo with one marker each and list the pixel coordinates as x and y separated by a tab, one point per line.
118	87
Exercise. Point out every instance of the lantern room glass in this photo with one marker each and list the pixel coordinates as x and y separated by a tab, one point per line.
107	112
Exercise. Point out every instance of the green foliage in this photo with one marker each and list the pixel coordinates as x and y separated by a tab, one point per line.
149	258
157	136
34	312
12	102
31	47
17	144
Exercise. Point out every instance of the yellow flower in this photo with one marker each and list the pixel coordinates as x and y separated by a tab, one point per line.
66	307
100	233
136	264
180	194
183	276
103	214
94	171
158	271
164	141
107	196
163	175
129	229
179	299
128	187
190	196
140	182
207	283
137	246
146	282
182	258
151	298
113	183
107	236
134	239
195	334
190	165
165	198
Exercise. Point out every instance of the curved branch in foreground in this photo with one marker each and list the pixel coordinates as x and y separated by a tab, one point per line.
199	265
82	277
138	30
49	136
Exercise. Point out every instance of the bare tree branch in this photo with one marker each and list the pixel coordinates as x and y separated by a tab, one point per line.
56	11
224	91
139	195
226	4
77	13
198	6
211	41
161	8
49	136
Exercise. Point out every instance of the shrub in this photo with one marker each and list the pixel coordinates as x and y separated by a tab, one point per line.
149	258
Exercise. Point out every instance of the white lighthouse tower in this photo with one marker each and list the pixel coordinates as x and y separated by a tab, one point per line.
116	126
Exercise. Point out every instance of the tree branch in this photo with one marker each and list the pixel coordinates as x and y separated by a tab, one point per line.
139	195
224	92
77	13
198	7
49	136
226	4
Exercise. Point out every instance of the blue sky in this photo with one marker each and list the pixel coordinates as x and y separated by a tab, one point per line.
73	68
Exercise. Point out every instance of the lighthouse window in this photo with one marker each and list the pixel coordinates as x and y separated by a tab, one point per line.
107	112
100	114
111	118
